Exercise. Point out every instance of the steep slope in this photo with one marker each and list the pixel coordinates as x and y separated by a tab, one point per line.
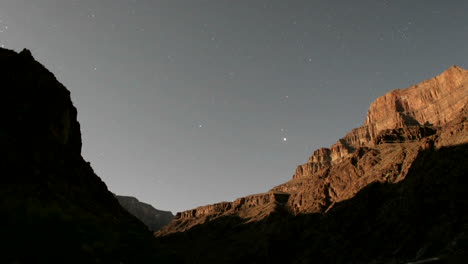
53	207
388	192
153	218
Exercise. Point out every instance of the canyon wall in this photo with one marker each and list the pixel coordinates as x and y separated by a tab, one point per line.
398	126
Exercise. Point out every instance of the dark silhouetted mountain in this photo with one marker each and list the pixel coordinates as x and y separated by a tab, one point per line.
153	218
53	207
390	191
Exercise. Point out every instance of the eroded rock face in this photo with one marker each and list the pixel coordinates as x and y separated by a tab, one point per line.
398	126
153	218
402	116
433	102
251	208
390	191
420	219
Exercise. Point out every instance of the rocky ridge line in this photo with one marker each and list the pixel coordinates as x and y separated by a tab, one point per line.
398	126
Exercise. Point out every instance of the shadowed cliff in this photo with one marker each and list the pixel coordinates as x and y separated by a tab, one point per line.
53	207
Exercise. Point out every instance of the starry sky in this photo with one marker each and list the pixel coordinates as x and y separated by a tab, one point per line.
190	102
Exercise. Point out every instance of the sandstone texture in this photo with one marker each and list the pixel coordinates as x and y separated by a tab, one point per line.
398	125
250	208
402	172
53	207
153	218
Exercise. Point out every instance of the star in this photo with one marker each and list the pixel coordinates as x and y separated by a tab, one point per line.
285	139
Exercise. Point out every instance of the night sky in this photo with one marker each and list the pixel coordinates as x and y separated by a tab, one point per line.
187	103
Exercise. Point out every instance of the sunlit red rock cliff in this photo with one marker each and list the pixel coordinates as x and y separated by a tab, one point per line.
402	128
410	117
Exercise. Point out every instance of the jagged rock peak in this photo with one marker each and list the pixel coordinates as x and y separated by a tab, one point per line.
26	53
433	102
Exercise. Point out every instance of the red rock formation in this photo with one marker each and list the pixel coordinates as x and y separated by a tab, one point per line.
399	125
434	102
251	208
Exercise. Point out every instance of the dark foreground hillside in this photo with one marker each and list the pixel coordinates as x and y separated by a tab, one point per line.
53	207
422	218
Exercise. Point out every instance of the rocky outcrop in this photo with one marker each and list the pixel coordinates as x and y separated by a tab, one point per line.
53	207
251	208
419	219
402	116
399	125
319	160
401	176
433	102
153	218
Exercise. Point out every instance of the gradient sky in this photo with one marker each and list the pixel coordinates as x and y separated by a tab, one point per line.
184	103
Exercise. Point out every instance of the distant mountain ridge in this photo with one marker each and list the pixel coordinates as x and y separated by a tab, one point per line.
153	218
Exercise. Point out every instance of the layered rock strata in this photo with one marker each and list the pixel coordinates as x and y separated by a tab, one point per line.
398	126
251	208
